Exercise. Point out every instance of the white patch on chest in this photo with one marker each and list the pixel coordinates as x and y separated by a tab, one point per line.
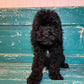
47	53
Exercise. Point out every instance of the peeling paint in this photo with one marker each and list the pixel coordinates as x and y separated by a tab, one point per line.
11	55
13	35
19	34
12	44
79	26
11	58
5	24
77	82
73	23
15	55
0	41
27	34
28	24
81	32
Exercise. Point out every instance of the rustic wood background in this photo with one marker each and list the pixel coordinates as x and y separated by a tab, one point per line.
16	53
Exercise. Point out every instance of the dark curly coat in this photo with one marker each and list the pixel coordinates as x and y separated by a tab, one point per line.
46	38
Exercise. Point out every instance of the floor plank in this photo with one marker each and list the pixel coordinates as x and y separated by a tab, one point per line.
16	73
42	82
28	58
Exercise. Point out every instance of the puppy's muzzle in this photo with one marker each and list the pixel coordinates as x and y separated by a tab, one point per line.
46	35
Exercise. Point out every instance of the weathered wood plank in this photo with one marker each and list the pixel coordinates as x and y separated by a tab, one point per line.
15	45
20	73
42	82
24	16
29	58
17	64
16	39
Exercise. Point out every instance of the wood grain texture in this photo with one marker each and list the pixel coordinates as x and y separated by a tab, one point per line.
17	72
13	38
28	58
24	16
16	53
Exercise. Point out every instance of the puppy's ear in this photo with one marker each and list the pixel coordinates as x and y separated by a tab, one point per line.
42	11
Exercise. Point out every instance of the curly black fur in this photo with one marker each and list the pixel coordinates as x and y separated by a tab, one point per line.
46	38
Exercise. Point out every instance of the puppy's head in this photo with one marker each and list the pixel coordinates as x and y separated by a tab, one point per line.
46	27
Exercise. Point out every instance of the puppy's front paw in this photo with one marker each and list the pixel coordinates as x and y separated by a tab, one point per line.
56	77
59	77
31	81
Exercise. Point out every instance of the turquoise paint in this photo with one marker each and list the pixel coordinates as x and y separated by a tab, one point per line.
27	65
12	82
16	54
21	72
43	82
24	16
29	59
16	39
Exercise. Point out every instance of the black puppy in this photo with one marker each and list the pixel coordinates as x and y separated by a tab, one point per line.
46	38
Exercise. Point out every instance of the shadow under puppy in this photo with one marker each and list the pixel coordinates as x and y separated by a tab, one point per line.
46	38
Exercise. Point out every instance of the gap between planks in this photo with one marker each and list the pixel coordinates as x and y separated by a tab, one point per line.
21	54
8	64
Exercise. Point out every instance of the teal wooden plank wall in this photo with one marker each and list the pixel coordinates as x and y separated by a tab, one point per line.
16	24
16	54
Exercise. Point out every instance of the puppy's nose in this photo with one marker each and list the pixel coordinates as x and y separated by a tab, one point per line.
46	35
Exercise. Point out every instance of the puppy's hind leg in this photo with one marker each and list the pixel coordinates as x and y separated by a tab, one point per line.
63	64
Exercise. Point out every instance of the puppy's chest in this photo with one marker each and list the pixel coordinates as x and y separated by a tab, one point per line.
47	53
